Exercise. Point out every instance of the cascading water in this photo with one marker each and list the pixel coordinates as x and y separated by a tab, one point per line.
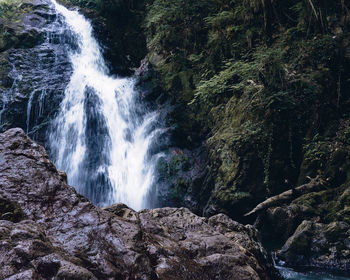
101	136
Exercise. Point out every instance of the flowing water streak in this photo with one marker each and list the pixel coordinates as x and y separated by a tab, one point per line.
291	274
3	107
29	108
100	138
2	110
6	97
42	101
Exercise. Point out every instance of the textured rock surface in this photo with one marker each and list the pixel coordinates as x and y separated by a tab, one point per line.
313	230
34	66
27	253
318	245
63	235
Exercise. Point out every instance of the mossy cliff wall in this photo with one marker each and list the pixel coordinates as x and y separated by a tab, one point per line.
264	83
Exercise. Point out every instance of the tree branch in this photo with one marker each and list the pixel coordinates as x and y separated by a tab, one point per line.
315	184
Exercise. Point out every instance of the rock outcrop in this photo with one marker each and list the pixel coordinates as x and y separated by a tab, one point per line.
34	65
312	231
48	230
318	245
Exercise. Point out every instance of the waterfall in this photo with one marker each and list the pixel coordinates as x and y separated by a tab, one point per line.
101	136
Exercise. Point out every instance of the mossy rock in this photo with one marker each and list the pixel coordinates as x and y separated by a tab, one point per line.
329	206
177	191
10	211
177	164
301	240
315	244
5	69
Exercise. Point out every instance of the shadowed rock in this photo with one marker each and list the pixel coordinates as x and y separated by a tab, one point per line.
318	245
63	235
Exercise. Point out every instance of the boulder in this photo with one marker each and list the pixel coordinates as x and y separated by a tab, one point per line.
123	211
183	246
59	234
319	245
27	253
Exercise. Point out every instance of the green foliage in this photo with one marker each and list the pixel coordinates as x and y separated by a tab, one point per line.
168	21
91	4
11	10
259	76
10	15
317	152
236	77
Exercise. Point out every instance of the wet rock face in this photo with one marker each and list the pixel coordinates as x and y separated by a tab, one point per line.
61	234
27	253
34	66
107	245
318	245
183	245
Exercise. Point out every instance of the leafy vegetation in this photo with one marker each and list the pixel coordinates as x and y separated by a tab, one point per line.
261	78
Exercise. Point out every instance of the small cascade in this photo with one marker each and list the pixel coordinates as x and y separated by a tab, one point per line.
8	96
29	108
3	107
41	101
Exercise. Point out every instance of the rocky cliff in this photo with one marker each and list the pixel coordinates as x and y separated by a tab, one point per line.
48	230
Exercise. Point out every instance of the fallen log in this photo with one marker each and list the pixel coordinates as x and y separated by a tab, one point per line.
315	184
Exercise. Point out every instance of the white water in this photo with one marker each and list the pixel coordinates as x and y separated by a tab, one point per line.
29	108
99	134
42	101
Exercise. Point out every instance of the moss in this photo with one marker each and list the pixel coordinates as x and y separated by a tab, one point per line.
177	164
329	206
299	244
333	231
12	33
162	168
12	10
173	173
4	70
232	196
11	211
177	191
259	82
